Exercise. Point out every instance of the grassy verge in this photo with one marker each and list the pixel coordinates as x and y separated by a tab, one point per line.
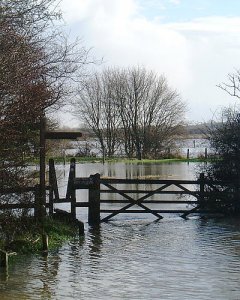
24	235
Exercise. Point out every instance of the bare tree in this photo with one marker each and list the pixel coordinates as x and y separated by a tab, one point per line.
97	108
154	111
233	85
133	107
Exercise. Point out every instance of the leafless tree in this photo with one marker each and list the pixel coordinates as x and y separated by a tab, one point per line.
233	85
97	107
133	107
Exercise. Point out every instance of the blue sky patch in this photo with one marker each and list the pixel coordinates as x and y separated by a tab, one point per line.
186	10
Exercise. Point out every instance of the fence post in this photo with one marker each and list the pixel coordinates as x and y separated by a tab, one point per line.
3	259
53	191
42	165
51	166
94	201
202	184
71	192
206	154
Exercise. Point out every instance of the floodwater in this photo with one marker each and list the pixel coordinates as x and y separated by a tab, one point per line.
135	257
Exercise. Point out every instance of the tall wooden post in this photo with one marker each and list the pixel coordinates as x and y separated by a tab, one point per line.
51	186
94	201
71	192
42	183
53	192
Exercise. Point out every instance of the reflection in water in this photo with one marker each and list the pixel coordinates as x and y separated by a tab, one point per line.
95	241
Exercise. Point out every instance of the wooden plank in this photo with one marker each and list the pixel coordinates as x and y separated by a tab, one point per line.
82	204
152	201
134	211
149	191
62	200
62	135
146	181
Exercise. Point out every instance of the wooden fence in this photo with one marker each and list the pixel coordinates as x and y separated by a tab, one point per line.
132	200
143	191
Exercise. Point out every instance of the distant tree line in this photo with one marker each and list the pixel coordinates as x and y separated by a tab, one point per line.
131	109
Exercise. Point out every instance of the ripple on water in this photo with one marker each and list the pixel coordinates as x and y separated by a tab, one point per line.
170	259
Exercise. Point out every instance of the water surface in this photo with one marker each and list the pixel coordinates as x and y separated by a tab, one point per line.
135	257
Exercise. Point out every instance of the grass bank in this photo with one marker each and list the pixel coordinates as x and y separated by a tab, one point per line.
24	234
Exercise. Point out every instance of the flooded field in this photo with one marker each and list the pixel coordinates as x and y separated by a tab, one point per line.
134	257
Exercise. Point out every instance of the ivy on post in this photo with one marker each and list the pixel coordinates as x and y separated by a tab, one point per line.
94	201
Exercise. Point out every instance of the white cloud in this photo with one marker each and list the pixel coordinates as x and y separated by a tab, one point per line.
176	2
77	10
195	56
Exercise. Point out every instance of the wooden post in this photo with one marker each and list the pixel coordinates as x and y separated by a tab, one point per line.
42	167
53	192
94	201
3	259
206	155
45	243
71	192
187	153
51	166
202	183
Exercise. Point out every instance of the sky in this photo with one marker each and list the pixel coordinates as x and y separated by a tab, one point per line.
195	44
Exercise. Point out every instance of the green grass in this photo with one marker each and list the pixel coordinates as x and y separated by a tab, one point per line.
127	160
24	235
60	160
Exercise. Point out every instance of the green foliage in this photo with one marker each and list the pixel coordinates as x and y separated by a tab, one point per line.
224	138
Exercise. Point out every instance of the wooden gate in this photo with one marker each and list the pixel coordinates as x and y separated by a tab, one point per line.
136	196
143	195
